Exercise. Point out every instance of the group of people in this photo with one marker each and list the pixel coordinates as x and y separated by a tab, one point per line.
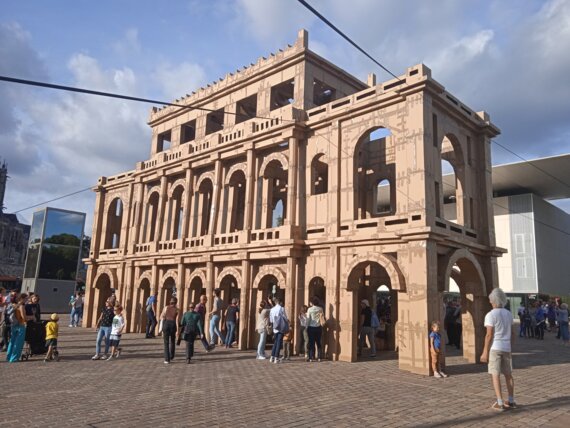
76	304
18	312
538	317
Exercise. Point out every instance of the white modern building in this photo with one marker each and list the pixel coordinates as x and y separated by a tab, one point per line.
535	233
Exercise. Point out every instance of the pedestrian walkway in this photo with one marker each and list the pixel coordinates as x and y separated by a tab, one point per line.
232	388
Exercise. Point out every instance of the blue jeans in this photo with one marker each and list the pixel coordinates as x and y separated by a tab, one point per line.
103	331
16	344
150	323
215	330
76	319
231	327
261	345
72	317
277	345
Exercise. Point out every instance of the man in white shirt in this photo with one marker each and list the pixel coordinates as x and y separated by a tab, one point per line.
499	325
278	318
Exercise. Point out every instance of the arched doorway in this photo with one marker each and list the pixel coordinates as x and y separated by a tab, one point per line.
470	304
265	286
167	291
317	289
140	309
370	281
229	288
102	293
195	290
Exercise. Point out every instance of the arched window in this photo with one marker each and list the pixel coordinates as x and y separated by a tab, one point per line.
234	201
176	212
205	193
277	214
383	197
319	175
272	196
114	223
451	181
151	217
374	173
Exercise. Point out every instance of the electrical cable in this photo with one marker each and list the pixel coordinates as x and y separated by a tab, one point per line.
52	200
122	97
345	37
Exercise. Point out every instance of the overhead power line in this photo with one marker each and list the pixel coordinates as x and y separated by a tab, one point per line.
119	96
54	199
345	37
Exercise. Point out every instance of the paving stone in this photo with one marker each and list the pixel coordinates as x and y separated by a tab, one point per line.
232	388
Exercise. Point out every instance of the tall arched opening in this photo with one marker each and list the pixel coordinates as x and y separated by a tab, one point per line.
102	291
370	281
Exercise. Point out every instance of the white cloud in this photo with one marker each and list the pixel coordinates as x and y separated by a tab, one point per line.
178	80
129	44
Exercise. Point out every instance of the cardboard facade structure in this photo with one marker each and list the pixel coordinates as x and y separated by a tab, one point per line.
300	180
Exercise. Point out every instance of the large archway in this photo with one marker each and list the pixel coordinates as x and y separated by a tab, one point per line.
470	304
268	283
101	292
370	281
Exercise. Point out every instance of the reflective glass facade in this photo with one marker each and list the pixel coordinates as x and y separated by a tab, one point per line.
55	242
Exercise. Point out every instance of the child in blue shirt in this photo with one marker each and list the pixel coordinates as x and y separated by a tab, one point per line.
437	358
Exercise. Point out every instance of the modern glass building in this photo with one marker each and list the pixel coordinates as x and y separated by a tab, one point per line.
54	255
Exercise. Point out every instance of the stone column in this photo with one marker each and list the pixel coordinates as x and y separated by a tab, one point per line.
98	215
251	179
245	321
210	285
417	306
187	206
181	286
137	208
292	174
215	197
90	316
290	290
129	304
135	314
158	234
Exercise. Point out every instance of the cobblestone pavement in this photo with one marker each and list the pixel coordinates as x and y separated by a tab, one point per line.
232	388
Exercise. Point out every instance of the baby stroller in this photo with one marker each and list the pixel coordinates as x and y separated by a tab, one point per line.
35	343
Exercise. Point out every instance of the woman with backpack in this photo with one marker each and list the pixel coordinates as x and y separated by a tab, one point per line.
17	315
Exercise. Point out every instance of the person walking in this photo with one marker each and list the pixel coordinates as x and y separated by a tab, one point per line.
497	349
18	333
540	317
150	308
563	323
191	326
215	317
231	319
169	317
366	330
104	325
315	321
263	327
278	318
201	310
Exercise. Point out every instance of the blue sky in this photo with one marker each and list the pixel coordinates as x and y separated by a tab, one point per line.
507	57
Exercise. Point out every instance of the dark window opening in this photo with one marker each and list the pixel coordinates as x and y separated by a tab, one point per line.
164	141
188	132
283	94
246	109
434	130
319	176
322	93
215	121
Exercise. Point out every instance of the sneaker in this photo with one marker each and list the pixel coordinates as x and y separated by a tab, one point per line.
271	359
443	374
70	325
437	374
276	360
188	361
261	357
109	358
118	352
96	357
510	405
167	362
498	407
